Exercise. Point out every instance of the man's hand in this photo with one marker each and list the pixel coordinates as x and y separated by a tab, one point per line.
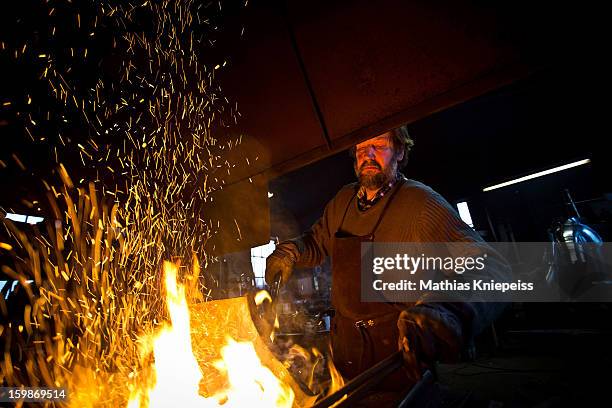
428	334
280	262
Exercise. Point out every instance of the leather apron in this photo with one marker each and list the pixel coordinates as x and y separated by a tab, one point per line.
362	333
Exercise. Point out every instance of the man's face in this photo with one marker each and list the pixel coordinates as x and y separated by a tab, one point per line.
376	161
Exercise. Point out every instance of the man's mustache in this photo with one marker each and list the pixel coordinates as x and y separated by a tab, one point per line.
370	163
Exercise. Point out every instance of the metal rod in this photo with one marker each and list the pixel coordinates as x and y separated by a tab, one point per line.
425	380
373	374
359	392
275	290
305	76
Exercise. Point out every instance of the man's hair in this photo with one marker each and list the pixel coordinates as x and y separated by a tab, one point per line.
401	139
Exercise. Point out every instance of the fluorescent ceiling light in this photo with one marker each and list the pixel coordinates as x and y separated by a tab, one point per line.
16	217
30	219
538	174
464	213
34	220
13	286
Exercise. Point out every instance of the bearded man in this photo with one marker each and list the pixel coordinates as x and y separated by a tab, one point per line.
385	206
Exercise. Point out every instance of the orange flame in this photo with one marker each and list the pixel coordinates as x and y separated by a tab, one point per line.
337	382
178	375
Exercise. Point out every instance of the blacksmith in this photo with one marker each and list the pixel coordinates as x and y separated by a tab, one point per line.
385	206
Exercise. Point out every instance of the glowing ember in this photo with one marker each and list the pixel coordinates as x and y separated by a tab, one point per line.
261	296
178	375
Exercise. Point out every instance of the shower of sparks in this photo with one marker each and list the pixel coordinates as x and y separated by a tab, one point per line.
146	162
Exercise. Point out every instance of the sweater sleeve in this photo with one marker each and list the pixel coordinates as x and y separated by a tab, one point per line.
439	222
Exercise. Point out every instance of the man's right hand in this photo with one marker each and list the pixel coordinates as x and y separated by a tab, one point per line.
428	333
280	262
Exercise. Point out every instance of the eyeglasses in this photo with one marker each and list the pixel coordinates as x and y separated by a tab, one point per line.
363	150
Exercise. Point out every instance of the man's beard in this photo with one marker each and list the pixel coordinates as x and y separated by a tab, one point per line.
379	179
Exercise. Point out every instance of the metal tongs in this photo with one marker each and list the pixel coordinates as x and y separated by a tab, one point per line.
264	314
357	388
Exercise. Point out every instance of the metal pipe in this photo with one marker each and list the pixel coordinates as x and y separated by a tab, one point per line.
414	393
300	60
365	380
359	392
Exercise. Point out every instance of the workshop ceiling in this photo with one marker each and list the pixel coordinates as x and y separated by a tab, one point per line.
312	78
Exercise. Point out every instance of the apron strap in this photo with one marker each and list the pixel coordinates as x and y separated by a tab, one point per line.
347	208
386	207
